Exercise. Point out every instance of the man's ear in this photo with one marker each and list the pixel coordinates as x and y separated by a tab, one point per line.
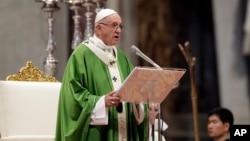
226	126
98	28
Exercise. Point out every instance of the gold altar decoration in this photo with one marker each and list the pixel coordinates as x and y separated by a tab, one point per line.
31	73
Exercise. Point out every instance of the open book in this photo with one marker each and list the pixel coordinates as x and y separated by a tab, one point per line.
145	84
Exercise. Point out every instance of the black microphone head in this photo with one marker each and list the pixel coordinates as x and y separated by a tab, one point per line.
119	108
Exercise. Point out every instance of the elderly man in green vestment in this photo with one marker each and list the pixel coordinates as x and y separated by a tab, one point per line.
89	109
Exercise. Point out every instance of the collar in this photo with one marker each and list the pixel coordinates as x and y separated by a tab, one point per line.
108	56
99	43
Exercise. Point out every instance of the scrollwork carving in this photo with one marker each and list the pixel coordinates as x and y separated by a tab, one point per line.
31	73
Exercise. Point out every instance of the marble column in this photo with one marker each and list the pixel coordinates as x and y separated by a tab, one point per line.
231	66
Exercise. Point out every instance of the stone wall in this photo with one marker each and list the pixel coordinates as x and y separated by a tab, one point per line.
24	33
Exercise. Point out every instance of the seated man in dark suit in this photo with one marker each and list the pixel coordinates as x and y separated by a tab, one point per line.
219	122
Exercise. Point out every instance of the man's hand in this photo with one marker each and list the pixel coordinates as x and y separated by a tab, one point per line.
111	100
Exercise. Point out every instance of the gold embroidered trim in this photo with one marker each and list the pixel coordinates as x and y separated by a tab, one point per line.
30	73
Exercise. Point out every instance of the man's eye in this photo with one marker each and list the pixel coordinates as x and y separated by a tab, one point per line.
114	25
121	26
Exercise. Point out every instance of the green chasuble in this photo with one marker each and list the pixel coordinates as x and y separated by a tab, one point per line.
86	79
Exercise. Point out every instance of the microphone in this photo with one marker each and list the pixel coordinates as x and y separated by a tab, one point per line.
119	108
142	55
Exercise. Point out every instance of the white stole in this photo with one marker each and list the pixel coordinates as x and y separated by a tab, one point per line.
109	59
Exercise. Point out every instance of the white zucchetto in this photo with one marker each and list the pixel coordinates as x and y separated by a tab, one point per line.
103	13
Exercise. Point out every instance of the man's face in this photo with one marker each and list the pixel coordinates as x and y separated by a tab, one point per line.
109	29
216	128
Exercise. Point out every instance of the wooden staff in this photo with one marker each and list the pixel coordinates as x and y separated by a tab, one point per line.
186	51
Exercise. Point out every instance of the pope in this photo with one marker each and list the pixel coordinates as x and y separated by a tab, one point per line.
89	109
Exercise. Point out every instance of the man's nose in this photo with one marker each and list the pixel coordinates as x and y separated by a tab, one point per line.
209	126
118	29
